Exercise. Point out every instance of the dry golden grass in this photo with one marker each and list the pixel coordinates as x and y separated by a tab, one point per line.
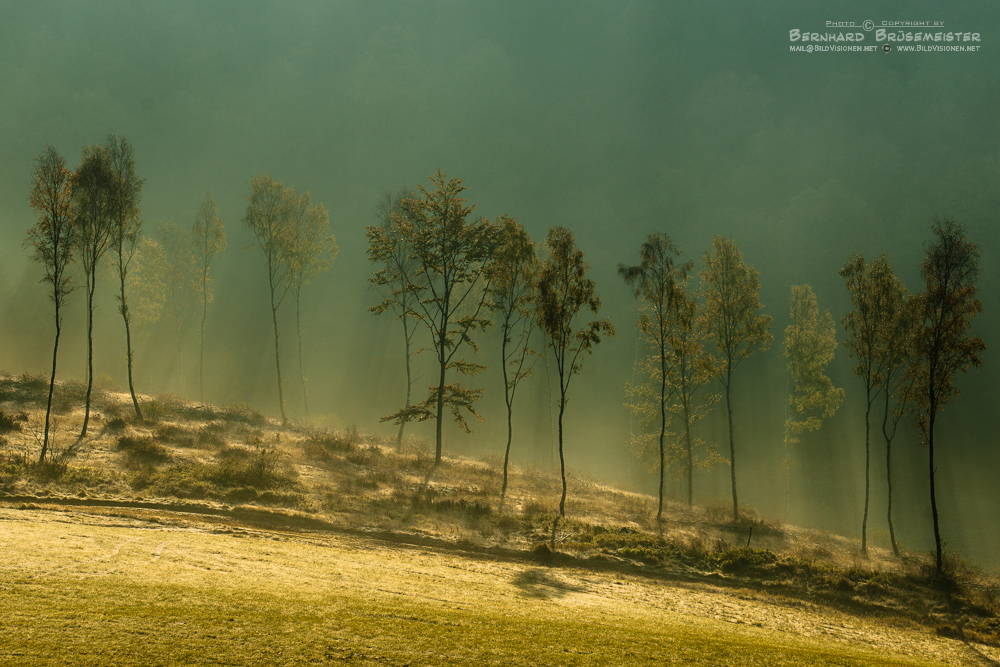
241	467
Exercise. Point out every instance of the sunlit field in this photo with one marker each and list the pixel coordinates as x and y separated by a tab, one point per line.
212	535
103	589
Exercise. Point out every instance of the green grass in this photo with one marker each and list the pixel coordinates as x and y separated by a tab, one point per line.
93	590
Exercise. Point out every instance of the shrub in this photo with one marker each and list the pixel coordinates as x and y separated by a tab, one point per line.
242	413
10	422
181	436
142	450
152	411
258	468
210	435
322	445
740	560
116	425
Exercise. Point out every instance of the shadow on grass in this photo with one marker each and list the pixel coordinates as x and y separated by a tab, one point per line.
537	583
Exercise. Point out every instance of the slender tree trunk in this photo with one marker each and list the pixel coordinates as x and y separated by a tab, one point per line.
562	460
302	373
204	316
888	470
507	400
409	384
277	359
788	463
732	447
440	401
52	384
91	283
128	341
934	511
690	457
864	521
663	427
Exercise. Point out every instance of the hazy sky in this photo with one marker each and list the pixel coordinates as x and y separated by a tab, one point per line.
614	119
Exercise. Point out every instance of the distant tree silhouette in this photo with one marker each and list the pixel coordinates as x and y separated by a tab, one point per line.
943	344
309	249
512	295
208	239
124	195
399	267
656	280
564	290
267	217
179	275
92	201
810	343
53	237
730	316
449	285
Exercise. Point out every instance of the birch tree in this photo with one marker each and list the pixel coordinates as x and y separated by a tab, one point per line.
944	344
656	280
267	217
53	237
398	267
895	350
810	344
309	249
91	188
125	191
731	318
564	291
512	294
449	284
208	239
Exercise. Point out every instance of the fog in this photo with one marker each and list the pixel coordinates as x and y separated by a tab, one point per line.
611	119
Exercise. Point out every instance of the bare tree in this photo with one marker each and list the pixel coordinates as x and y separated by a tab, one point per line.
52	239
564	290
732	298
208	239
512	296
308	250
124	195
943	344
91	190
449	286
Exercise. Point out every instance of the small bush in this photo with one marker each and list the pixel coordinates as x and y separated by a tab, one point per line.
323	445
366	457
740	560
184	481
181	436
258	468
242	413
10	422
86	476
152	411
142	450
210	435
115	425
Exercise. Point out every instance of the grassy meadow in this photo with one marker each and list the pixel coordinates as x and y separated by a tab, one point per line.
213	535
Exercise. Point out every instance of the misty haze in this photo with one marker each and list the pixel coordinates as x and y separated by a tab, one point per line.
575	313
